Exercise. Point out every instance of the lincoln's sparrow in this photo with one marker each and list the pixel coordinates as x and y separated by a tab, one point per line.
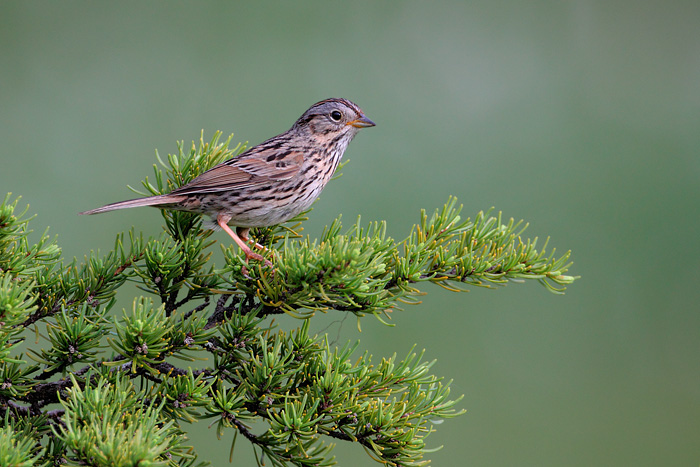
271	182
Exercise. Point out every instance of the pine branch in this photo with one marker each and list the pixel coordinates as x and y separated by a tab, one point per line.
299	389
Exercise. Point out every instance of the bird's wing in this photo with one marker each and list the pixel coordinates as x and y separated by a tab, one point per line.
239	173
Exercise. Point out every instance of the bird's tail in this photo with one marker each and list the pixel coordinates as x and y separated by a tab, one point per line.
159	200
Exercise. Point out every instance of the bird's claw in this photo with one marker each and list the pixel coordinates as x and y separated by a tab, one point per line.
250	255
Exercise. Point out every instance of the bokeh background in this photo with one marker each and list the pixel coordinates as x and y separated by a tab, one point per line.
581	117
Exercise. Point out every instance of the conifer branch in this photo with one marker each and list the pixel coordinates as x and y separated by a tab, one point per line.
299	388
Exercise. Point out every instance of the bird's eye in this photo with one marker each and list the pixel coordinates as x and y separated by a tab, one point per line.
336	115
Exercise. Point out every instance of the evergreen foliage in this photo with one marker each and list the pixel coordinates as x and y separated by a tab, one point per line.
110	388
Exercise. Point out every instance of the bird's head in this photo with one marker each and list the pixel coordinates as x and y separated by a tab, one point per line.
332	120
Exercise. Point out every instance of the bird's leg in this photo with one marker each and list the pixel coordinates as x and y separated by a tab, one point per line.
243	234
222	221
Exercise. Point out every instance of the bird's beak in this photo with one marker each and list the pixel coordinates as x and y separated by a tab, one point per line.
362	122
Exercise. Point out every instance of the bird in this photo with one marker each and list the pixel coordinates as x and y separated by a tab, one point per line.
269	183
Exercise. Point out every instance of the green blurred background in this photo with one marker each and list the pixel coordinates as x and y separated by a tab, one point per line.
583	118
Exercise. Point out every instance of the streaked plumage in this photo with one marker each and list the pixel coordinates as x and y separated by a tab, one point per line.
271	182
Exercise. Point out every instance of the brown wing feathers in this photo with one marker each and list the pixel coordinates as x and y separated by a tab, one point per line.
235	174
243	173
